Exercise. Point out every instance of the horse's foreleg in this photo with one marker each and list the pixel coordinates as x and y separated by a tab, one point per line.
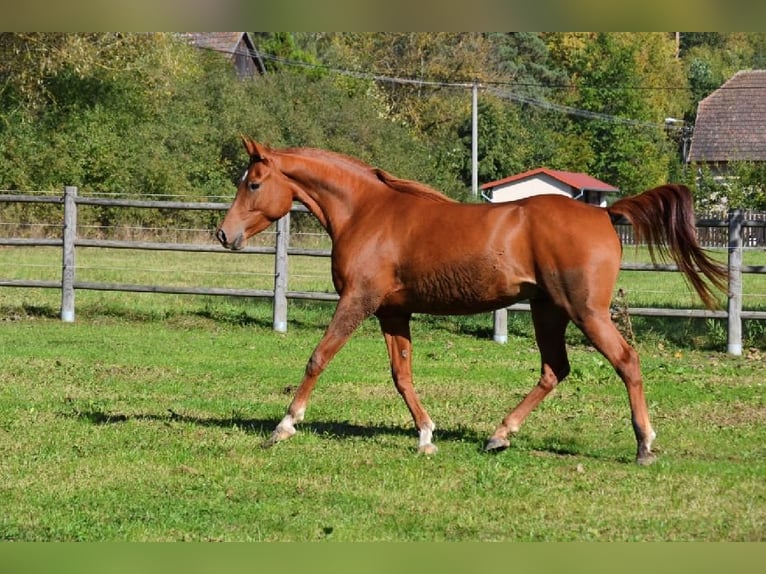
346	319
396	330
550	322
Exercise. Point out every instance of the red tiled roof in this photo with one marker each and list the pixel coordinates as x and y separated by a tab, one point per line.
578	181
731	121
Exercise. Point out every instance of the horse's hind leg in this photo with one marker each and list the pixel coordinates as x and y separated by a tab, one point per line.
550	322
396	330
607	339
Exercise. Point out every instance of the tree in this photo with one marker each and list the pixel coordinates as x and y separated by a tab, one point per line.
148	114
615	86
522	61
69	100
165	120
516	131
503	141
281	52
744	187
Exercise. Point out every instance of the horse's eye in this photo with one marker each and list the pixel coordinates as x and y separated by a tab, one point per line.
253	186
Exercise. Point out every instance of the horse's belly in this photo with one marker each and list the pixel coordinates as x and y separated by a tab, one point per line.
457	289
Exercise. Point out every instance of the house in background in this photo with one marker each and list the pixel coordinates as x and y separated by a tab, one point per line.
731	123
542	180
237	46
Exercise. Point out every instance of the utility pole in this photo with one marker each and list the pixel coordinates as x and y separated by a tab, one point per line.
685	131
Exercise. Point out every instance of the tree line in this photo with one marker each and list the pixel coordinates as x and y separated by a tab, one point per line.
151	116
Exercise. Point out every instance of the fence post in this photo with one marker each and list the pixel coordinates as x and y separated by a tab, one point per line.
280	274
500	325
736	217
68	269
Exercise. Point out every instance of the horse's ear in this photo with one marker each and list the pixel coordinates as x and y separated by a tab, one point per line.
249	145
254	149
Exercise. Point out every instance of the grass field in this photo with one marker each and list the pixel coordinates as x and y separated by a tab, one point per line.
142	420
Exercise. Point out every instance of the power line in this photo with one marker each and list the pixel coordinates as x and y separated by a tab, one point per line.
496	88
363	75
505	94
438	83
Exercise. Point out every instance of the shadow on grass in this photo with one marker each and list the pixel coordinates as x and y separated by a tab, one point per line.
684	333
564	446
556	446
331	429
240	318
26	311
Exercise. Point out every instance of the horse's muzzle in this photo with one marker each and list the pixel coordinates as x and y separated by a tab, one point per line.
234	244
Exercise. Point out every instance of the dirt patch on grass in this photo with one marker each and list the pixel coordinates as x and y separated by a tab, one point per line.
739	414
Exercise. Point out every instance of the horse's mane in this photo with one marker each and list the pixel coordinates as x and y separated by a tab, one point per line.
412	187
397	184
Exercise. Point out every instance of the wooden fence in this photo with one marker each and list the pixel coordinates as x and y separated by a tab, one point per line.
738	231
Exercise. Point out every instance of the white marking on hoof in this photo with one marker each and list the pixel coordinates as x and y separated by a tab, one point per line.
424	442
650	440
299	414
286	427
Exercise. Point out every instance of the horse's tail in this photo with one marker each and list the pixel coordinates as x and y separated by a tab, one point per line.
663	217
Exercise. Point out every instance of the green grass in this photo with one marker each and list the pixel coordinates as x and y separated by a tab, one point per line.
131	426
142	421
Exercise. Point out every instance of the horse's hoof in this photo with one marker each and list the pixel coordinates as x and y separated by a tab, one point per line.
278	435
646	459
429	448
269	442
497	444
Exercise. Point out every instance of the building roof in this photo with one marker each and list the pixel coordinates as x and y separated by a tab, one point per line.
225	42
231	44
731	121
577	181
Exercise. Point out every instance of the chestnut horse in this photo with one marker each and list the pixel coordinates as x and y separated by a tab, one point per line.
400	247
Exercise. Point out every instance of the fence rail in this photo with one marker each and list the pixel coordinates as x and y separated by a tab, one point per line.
741	230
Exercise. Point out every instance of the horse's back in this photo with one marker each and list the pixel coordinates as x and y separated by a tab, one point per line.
555	219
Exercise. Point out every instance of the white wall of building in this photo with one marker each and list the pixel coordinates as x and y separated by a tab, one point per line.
540	185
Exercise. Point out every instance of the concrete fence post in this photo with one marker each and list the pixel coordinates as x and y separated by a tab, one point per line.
500	325
734	314
280	274
68	258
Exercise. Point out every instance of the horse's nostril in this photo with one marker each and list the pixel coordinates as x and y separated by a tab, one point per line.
221	236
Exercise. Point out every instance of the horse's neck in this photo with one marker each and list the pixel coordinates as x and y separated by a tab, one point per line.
325	218
330	192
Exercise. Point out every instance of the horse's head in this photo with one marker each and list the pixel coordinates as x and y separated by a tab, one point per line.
263	195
